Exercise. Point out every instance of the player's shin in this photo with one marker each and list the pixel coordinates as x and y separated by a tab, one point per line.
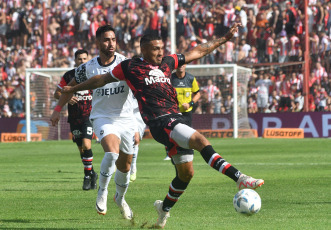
217	162
134	159
122	182
133	169
107	169
176	189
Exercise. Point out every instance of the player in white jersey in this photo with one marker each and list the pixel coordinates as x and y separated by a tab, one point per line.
140	129
112	119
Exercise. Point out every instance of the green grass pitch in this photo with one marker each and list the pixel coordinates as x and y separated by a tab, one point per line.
41	187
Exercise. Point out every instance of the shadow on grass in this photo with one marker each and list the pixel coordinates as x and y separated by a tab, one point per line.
15	221
22	221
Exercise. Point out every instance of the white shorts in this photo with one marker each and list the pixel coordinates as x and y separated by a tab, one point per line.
123	128
140	125
181	134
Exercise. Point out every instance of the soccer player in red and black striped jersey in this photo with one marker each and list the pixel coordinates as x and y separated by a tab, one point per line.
149	79
79	108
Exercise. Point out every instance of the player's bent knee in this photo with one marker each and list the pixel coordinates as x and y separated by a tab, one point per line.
123	167
186	176
123	162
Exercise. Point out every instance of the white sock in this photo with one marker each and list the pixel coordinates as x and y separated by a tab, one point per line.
134	159
107	169
122	181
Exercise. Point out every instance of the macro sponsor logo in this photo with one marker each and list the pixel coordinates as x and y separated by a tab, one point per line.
156	76
110	91
84	98
83	95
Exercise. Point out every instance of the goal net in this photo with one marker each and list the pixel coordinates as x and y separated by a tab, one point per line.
40	84
229	107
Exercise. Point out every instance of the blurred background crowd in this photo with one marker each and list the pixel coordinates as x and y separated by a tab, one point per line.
270	41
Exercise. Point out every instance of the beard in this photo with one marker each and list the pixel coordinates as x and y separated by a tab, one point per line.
107	53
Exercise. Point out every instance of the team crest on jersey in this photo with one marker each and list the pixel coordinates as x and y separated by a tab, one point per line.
171	121
187	94
101	132
156	76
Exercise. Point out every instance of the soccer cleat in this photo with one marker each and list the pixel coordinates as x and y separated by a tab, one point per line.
94	178
167	158
87	183
125	209
101	204
163	216
133	177
245	181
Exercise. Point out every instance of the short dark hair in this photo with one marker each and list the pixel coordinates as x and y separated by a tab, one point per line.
103	29
79	52
148	38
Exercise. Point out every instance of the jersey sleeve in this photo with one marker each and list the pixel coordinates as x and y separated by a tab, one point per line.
118	73
62	83
179	60
195	86
80	73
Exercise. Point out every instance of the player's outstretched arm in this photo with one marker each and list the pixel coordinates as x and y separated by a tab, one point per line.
206	48
92	83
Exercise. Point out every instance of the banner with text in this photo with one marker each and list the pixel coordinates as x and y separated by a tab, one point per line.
314	124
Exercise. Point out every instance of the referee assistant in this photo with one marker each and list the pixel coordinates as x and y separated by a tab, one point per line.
187	89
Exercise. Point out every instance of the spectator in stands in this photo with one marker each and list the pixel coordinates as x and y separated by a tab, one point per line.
252	106
267	23
84	25
211	90
16	98
300	100
263	85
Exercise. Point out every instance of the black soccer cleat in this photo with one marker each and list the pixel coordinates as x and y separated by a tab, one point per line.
87	183
94	178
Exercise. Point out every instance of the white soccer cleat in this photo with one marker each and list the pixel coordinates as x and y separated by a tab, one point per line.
101	204
133	177
125	209
167	158
245	181
163	216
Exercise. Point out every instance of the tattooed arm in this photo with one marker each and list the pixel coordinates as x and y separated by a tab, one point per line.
206	48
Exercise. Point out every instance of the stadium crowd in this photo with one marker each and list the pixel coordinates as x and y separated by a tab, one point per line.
270	41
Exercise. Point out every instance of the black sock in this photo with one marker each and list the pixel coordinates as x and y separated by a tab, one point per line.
176	189
217	162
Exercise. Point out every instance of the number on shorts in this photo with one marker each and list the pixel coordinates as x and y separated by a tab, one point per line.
89	131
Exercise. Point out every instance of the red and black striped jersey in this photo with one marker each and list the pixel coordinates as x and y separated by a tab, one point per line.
151	85
80	111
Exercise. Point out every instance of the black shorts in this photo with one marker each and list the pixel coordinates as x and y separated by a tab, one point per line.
161	128
80	131
188	117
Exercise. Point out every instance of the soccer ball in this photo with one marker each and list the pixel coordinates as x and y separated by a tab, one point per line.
247	201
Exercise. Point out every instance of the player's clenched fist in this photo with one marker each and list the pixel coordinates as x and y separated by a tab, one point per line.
232	31
55	117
